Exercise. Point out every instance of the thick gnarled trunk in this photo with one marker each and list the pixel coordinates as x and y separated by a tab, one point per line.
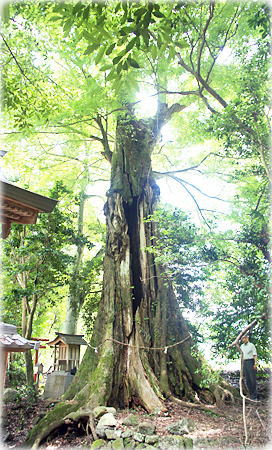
132	359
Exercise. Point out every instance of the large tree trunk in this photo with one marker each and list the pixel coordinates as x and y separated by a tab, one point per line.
138	310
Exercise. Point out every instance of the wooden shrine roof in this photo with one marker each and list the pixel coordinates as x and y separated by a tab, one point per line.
11	341
21	206
75	339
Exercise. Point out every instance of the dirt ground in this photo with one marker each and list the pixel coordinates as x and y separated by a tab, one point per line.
221	428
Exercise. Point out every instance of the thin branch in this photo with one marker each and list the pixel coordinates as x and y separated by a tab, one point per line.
195	201
19	66
166	91
96	138
260	197
211	11
104	140
214	211
191	167
205	100
221	47
72	123
180	180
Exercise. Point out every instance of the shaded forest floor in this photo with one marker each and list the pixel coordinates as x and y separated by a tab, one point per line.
221	428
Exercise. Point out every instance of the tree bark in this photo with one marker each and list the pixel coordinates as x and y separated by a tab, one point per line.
29	368
138	310
74	299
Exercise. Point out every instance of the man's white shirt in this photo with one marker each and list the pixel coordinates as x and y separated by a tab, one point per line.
249	350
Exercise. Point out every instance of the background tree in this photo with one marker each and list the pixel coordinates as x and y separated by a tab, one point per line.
82	276
37	265
220	276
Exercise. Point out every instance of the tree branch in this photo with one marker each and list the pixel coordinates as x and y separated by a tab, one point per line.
211	11
104	140
164	114
202	82
246	329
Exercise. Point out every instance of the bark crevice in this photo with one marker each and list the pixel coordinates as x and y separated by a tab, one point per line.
132	217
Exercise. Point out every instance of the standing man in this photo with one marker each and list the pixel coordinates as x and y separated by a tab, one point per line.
250	361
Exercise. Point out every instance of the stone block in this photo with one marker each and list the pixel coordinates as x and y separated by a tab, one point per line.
10	395
57	383
131	420
112	434
118	443
99	411
152	439
146	428
129	443
138	437
98	443
174	442
112	410
107	420
183	426
127	434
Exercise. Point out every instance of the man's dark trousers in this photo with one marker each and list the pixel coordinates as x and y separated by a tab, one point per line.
250	375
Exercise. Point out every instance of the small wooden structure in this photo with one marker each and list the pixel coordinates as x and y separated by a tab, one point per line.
10	341
67	351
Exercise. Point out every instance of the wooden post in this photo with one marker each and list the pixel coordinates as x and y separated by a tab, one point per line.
67	358
35	364
55	357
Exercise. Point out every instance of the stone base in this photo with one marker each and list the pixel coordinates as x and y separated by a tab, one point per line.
57	383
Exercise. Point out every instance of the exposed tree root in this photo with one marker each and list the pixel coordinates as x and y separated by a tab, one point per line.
46	428
221	395
193	405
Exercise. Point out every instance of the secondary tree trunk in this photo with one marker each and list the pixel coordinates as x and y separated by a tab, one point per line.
75	299
138	305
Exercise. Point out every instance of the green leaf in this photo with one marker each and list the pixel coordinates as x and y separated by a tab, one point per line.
67	27
145	36
86	13
117	8
111	75
154	51
126	30
91	48
125	66
131	44
105	67
117	58
139	12
87	35
55	18
172	52
182	44
158	14
119	68
77	7
99	55
133	63
146	19
110	49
